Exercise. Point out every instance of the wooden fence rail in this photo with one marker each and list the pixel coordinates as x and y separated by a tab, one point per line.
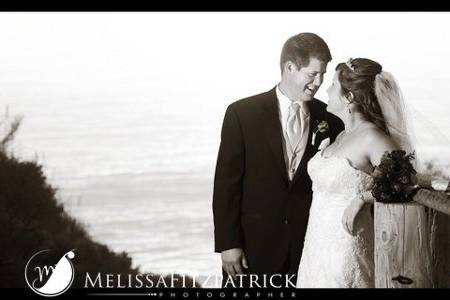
412	247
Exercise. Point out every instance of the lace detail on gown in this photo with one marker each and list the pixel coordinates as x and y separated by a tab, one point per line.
331	257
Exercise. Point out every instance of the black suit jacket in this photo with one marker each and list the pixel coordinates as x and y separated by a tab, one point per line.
255	206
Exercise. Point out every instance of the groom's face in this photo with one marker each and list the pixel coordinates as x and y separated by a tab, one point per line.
306	81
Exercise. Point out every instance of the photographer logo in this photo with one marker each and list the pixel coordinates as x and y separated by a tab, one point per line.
45	277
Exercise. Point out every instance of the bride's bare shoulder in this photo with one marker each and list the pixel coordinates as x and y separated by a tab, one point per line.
378	142
378	138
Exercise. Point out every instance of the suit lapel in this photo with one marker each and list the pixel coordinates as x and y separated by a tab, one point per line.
273	131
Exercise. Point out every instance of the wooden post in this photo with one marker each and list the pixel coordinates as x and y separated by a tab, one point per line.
412	247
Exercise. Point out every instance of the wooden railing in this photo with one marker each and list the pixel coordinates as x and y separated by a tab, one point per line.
412	246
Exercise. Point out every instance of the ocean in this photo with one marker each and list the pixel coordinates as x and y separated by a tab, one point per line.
139	178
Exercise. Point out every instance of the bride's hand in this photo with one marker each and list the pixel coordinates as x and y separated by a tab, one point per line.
350	213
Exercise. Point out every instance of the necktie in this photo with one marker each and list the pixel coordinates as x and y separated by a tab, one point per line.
293	127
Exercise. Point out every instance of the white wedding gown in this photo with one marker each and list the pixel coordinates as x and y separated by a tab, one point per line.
332	258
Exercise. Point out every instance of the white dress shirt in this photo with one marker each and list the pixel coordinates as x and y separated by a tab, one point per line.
292	157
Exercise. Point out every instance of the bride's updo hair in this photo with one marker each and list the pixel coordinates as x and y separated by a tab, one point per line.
358	76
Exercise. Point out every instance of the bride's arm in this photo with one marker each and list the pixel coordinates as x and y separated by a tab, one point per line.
378	145
431	182
367	197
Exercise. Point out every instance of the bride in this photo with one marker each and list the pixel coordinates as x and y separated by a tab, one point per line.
338	249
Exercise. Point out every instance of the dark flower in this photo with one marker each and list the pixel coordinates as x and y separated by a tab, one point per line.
393	178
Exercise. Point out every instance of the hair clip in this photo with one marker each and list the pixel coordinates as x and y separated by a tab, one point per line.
349	64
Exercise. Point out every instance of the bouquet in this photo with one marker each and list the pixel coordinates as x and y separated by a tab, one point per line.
395	181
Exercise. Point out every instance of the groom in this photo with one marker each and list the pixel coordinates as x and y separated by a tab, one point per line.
262	191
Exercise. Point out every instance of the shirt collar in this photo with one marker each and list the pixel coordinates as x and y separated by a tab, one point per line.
285	102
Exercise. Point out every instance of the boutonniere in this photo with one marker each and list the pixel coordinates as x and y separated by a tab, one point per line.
320	128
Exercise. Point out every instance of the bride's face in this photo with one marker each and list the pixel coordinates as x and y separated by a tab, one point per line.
337	103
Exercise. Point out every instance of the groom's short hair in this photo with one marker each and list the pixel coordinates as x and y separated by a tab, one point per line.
301	47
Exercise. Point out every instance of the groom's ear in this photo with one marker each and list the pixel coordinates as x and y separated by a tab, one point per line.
290	67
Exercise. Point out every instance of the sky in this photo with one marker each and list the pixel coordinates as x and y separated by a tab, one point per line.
72	72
